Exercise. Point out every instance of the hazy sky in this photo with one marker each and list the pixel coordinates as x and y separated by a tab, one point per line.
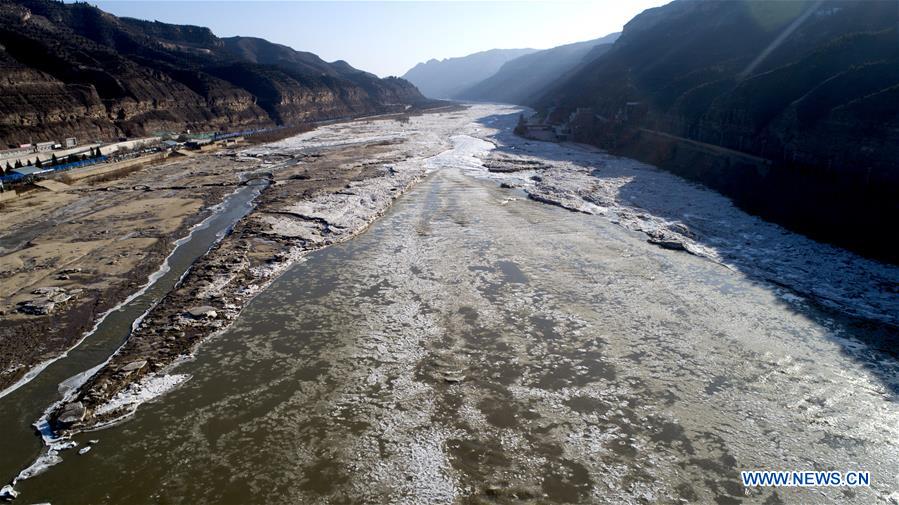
388	38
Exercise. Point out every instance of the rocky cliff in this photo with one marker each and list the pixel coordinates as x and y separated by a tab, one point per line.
72	69
791	81
809	86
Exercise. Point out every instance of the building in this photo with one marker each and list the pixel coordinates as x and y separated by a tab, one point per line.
582	117
198	143
70	142
634	111
26	171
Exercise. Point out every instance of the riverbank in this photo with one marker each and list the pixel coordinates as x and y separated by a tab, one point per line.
69	254
329	192
475	346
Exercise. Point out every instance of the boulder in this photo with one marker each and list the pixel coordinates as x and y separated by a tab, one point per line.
674	245
37	307
46	300
134	366
202	312
73	413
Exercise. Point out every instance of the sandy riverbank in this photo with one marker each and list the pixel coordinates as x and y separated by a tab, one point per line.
67	256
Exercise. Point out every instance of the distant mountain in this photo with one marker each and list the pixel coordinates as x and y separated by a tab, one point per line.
72	69
446	78
520	80
810	86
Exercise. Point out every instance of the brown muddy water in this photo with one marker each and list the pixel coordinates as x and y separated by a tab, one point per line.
473	346
22	405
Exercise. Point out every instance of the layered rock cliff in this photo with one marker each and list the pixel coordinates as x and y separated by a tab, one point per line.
810	87
776	79
72	69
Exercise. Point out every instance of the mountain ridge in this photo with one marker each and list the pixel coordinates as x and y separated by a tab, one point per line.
101	76
520	79
447	77
808	87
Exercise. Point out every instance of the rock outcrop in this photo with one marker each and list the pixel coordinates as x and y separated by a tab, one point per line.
811	83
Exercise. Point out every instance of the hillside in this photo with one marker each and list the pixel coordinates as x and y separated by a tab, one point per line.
447	78
522	79
804	102
809	87
72	69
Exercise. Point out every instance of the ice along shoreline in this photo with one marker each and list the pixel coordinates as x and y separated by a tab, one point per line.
217	287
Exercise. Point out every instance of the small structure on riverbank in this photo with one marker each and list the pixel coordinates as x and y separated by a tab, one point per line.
27	171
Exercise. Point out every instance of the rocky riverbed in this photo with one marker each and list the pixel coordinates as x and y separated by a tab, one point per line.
69	255
323	192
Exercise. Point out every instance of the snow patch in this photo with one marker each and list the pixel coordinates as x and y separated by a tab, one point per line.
127	401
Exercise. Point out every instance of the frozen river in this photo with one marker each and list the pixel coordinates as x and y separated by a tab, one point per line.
478	346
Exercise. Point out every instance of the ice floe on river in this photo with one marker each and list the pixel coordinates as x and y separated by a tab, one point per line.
679	214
